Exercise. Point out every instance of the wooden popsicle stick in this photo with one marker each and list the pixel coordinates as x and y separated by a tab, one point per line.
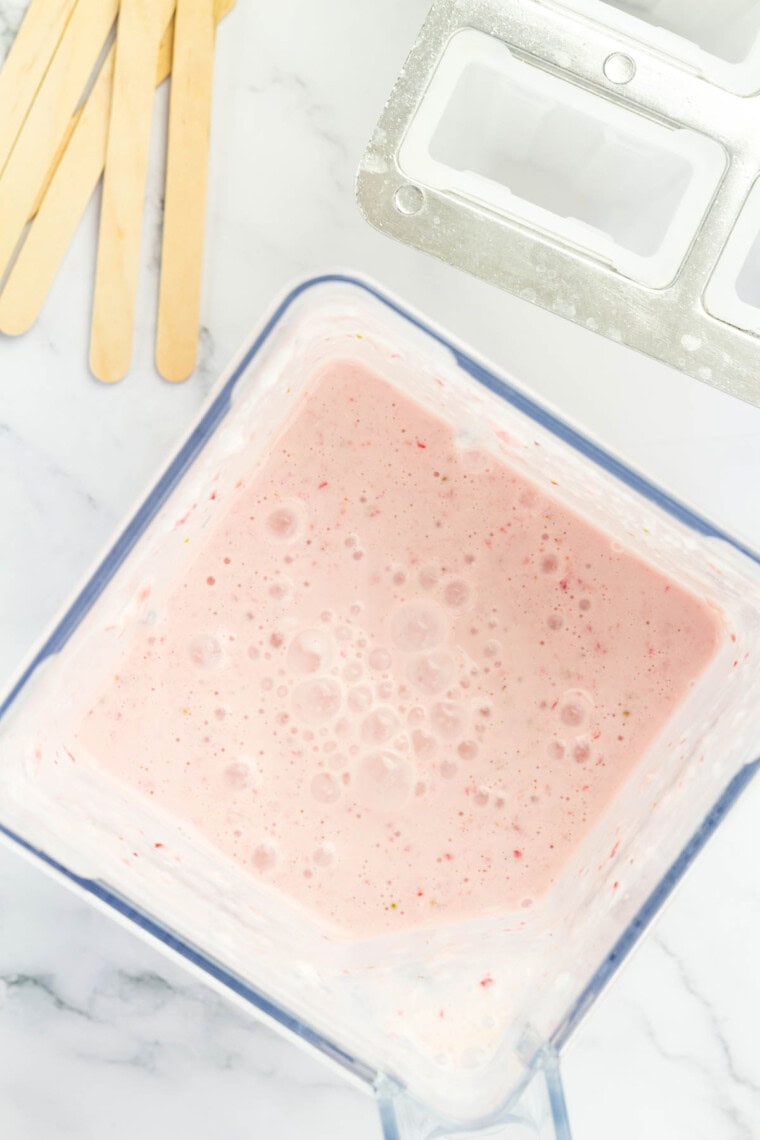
186	189
26	64
60	211
71	185
141	25
49	116
62	148
163	71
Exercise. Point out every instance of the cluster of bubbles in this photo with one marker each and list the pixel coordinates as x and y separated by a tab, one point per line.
574	712
385	721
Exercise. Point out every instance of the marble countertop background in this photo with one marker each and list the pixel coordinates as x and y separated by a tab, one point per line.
100	1037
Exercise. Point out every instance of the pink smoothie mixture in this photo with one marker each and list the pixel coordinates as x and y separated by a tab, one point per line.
394	680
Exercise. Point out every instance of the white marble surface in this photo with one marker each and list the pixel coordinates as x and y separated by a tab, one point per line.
100	1037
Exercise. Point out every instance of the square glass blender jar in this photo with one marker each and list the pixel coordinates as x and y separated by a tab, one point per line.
456	1024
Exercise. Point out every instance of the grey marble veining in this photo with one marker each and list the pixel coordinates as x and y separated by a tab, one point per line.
100	1036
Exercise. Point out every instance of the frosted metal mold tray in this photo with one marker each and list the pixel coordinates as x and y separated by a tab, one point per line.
598	158
456	1025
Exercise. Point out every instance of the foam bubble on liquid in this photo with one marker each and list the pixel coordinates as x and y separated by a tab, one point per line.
581	751
432	672
428	578
264	856
448	768
317	700
555	749
281	590
285	523
380	725
360	698
324	788
425	746
241	773
467	749
379	660
447	719
352	671
324	856
418	625
206	651
310	651
575	708
384	778
456	594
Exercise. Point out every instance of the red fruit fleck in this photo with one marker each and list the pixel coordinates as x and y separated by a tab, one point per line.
486	981
158	844
422	445
210	581
517	854
322	484
614	850
563	584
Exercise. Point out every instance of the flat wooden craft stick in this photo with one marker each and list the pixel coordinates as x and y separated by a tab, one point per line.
48	119
26	64
70	187
141	25
186	189
163	71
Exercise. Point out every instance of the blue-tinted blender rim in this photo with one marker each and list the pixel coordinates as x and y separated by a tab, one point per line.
155	499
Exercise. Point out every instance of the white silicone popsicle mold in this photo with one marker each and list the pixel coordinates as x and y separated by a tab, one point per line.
594	158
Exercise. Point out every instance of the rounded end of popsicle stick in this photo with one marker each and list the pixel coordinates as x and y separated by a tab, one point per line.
176	364
15	323
106	367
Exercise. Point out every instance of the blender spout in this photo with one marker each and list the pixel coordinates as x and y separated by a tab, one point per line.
540	1112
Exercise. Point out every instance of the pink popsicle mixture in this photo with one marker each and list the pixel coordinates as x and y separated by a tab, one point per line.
396	681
